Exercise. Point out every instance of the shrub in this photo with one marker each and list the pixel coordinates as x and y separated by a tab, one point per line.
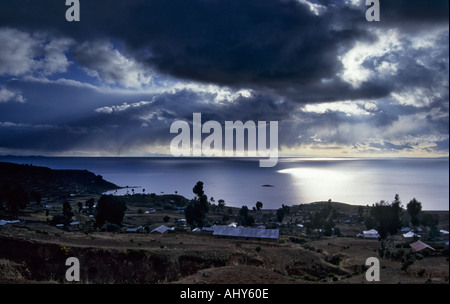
406	263
60	219
65	249
337	231
297	240
309	277
397	255
109	227
408	260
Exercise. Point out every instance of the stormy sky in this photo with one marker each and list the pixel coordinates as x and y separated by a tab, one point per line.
113	83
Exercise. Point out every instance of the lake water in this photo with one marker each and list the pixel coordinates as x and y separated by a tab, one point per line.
239	181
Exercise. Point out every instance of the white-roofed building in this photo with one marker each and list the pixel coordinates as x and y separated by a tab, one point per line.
161	229
247	232
4	222
137	229
410	235
371	234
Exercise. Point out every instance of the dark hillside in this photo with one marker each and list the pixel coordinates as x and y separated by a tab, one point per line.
53	182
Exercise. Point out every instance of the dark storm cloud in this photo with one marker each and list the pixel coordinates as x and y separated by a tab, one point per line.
275	46
415	11
265	44
281	49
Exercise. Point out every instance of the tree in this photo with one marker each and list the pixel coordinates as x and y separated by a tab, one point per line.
16	198
396	223
80	207
244	218
166	219
195	212
318	220
360	213
328	227
198	189
221	203
259	205
243	212
90	203
387	217
370	222
280	214
431	221
286	209
67	210
110	209
414	207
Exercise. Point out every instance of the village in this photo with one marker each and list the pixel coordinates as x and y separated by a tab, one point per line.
288	244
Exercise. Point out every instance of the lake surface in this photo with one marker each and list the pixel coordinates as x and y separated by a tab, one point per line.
240	181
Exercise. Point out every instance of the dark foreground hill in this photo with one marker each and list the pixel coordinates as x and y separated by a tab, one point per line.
53	182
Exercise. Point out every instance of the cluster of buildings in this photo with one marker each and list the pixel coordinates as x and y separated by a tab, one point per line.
407	233
229	231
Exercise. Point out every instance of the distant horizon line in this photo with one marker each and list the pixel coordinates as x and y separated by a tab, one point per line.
228	157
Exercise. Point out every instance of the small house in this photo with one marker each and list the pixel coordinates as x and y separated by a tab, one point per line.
410	235
371	234
135	230
161	229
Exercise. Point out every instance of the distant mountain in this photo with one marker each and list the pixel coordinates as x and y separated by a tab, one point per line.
53	182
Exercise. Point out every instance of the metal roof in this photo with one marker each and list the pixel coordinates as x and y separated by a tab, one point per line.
161	229
418	246
246	232
410	235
